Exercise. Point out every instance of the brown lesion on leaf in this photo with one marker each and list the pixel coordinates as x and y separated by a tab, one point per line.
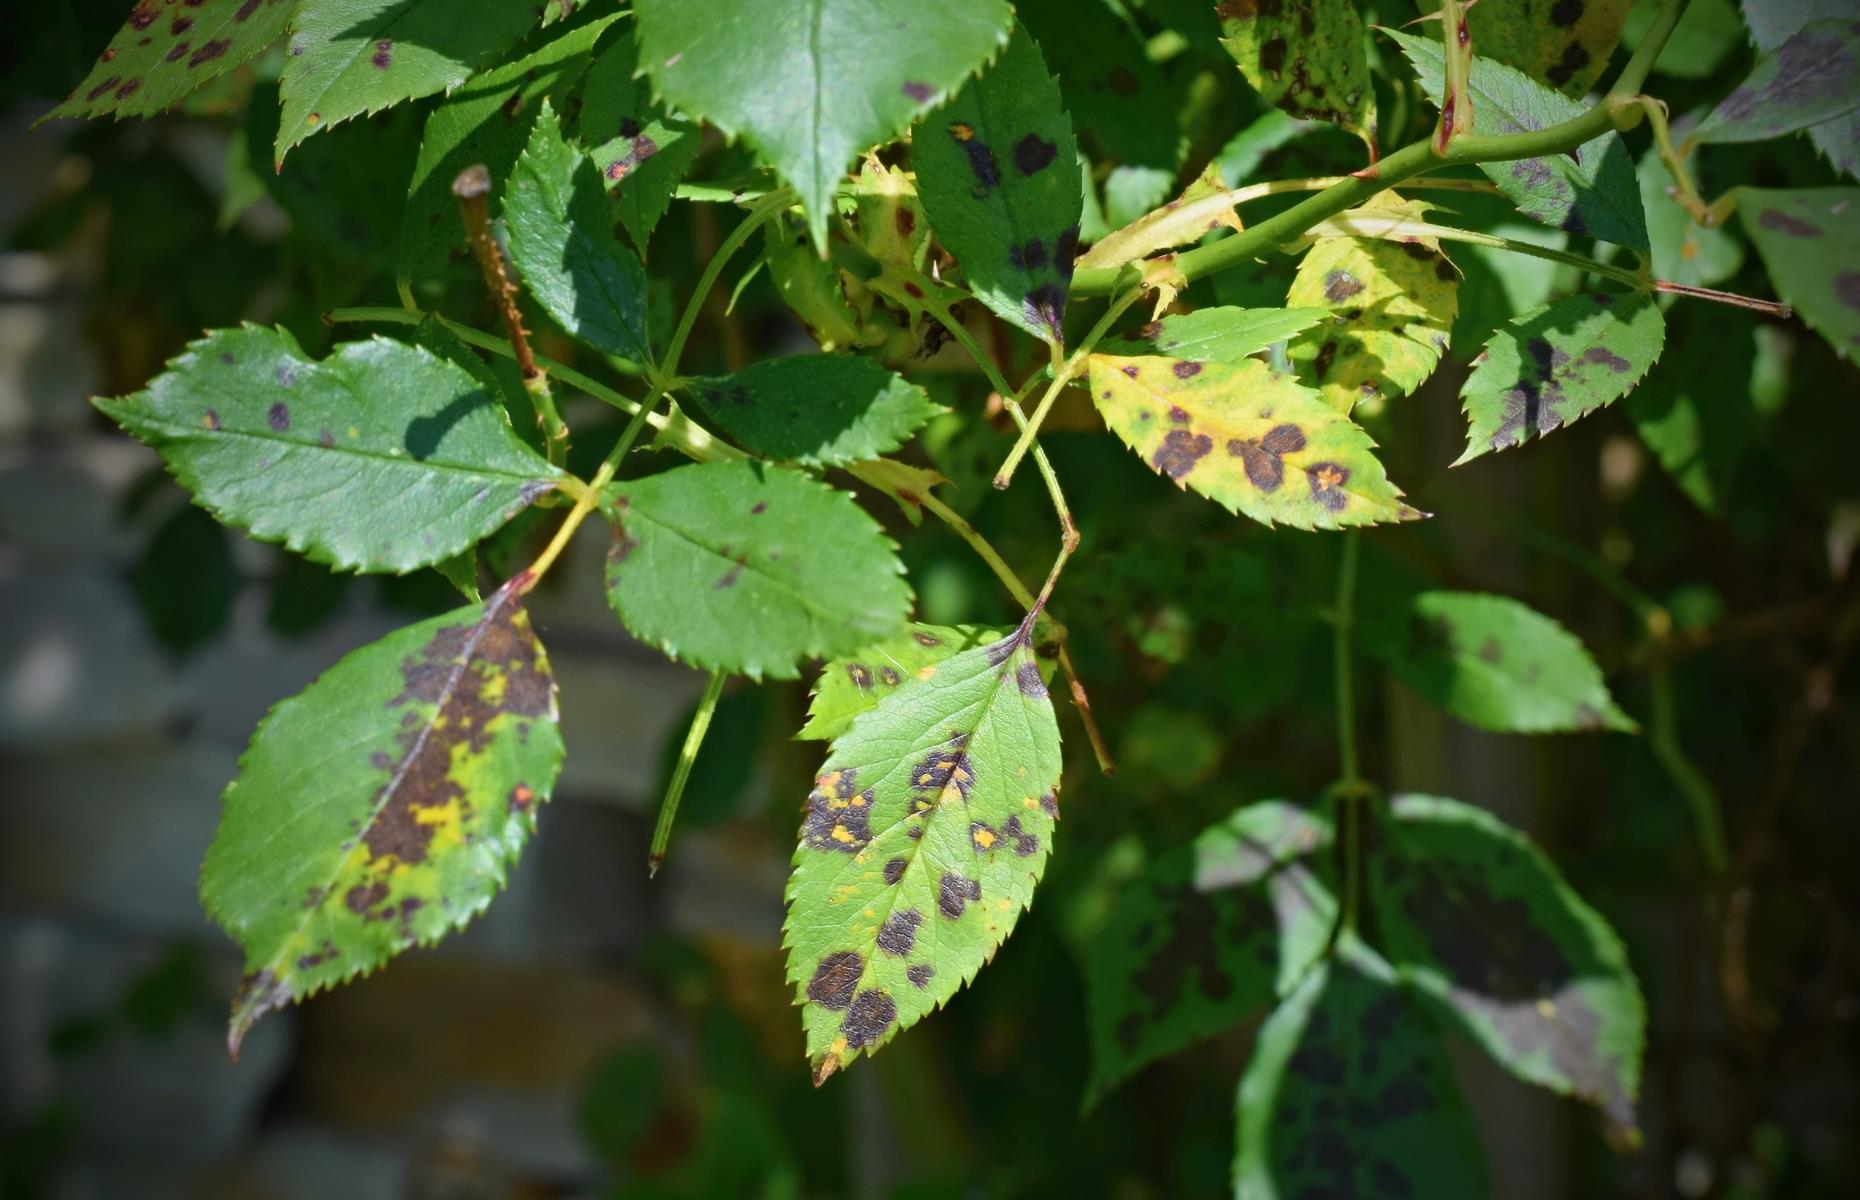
944	774
870	1018
1180	451
1327	480
1024	842
1263	459
955	892
861	676
835	978
920	974
899	933
894	871
839	816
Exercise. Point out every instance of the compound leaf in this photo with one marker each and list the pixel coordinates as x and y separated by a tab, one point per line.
1212	932
926	832
160	55
1253	441
1557	363
812	83
1809	240
1811	77
640	150
1215	334
749	568
1565	43
381	457
1306	58
382	807
995	172
1477	919
822	410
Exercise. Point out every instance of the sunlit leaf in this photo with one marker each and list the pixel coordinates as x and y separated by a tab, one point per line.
748	568
994	171
810	286
1253	441
1211	933
381	808
1305	57
926	831
1809	78
162	53
1479	921
1565	43
381	457
815	409
1773	22
852	685
1204	206
1215	334
641	150
1809	240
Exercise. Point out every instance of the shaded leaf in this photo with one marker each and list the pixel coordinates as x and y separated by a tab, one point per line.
926	832
1707	32
1773	22
381	457
811	84
641	150
1683	250
1591	191
382	807
849	686
1306	58
810	286
1565	43
1118	98
1809	240
1475	918
1558	363
1253	441
749	569
1494	663
186	580
1215	334
1812	76
562	241
162	53
1697	411
1212	933
995	177
816	409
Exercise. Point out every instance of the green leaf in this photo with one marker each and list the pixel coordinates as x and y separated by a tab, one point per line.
994	172
1811	77
810	286
381	457
487	121
1558	363
1683	250
1697	412
1494	663
1591	191
926	831
822	410
1560	42
1809	240
1118	98
1306	58
812	83
852	685
1395	302
1204	206
1475	918
748	568
160	55
352	57
1213	932
561	238
1349	1092
1215	334
641	150
382	807
1707	32
1773	22
1253	441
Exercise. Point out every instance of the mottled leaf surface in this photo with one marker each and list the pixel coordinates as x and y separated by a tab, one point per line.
925	834
381	457
1809	240
1212	933
1773	22
1205	205
1305	57
1119	99
1591	191
163	52
1349	1092
995	174
382	807
1494	663
1253	441
1811	77
1477	919
816	409
749	568
810	84
641	150
1223	334
1565	43
351	57
561	238
855	684
1557	363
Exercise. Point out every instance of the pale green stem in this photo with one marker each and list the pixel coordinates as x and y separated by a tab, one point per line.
681	773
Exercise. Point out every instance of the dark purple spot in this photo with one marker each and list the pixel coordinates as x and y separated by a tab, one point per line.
920	92
128	89
1340	286
1327	480
1046	305
1263	459
326	439
954	893
384	54
1574	59
1566	13
1847	289
1607	358
247	9
278	417
899	932
920	973
103	87
1186	370
758	508
1129	369
981	158
210	51
142	17
894	871
1180	451
1065	251
872	1014
1775	218
834	980
1027	678
1033	154
176	52
1179	415
1272	56
180	25
628	127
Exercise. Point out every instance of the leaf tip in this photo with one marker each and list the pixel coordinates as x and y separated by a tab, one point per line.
825	1068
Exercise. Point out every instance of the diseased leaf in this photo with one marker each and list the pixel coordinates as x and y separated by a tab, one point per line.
641	150
1118	98
1809	78
849	686
1558	363
810	286
1565	43
162	53
1592	190
1253	441
1212	933
1683	250
352	57
1215	334
1349	1093
1494	663
487	121
812	83
1773	22
1394	303
1305	57
1809	240
926	831
562	242
821	410
382	807
995	177
748	568
381	457
1204	206
1477	920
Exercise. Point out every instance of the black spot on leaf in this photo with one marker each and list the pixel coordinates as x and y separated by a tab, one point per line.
871	1015
1263	459
1033	154
899	933
1180	451
954	893
834	980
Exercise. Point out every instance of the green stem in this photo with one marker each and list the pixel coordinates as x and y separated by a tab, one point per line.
681	774
1062	375
758	213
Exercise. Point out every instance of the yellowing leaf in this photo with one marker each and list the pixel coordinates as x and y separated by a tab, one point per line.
1305	57
1205	205
1565	43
